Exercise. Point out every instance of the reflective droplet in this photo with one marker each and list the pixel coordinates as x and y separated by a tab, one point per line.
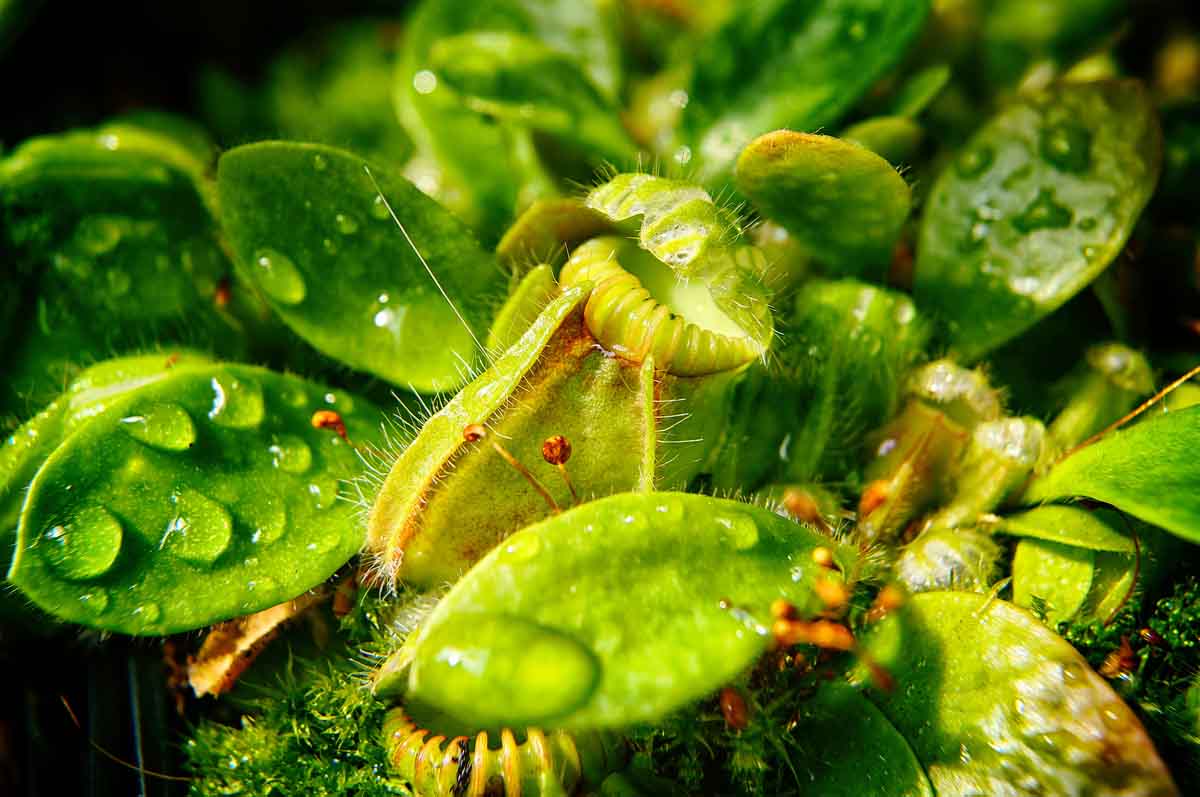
267	516
324	543
290	453
166	426
738	531
278	277
237	403
683	155
669	512
1067	147
148	613
324	493
522	547
424	82
346	224
1043	213
86	546
319	163
330	246
200	531
294	396
379	208
975	161
96	601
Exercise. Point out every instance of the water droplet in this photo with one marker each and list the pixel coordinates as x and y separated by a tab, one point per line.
1067	147
278	277
96	601
324	543
319	163
379	208
147	613
330	246
86	546
267	515
1089	252
678	98
346	224
1043	213
738	530
683	155
669	512
166	426
237	403
975	161
522	547
290	453
200	531
905	312
424	82
324	493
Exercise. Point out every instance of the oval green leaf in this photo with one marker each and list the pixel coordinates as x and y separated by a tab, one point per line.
993	702
1095	530
839	199
788	63
1057	576
1149	470
1039	202
667	595
194	498
309	228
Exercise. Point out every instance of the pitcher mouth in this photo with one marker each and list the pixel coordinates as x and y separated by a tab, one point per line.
640	307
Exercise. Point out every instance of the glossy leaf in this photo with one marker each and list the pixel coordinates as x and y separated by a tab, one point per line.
1095	530
310	231
518	78
1149	470
615	612
993	702
896	139
848	748
788	63
113	228
839	199
1038	204
194	498
1059	576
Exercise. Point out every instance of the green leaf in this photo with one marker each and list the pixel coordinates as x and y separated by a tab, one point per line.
896	139
309	229
840	200
483	182
1058	575
920	90
1149	470
848	748
800	64
113	229
547	230
518	78
196	497
1095	530
1037	205
990	699
615	612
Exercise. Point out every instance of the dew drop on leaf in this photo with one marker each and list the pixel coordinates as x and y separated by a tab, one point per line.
346	224
200	531
522	547
237	403
278	277
975	162
291	454
86	546
166	426
1043	213
268	517
737	531
148	613
323	492
1067	147
96	601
